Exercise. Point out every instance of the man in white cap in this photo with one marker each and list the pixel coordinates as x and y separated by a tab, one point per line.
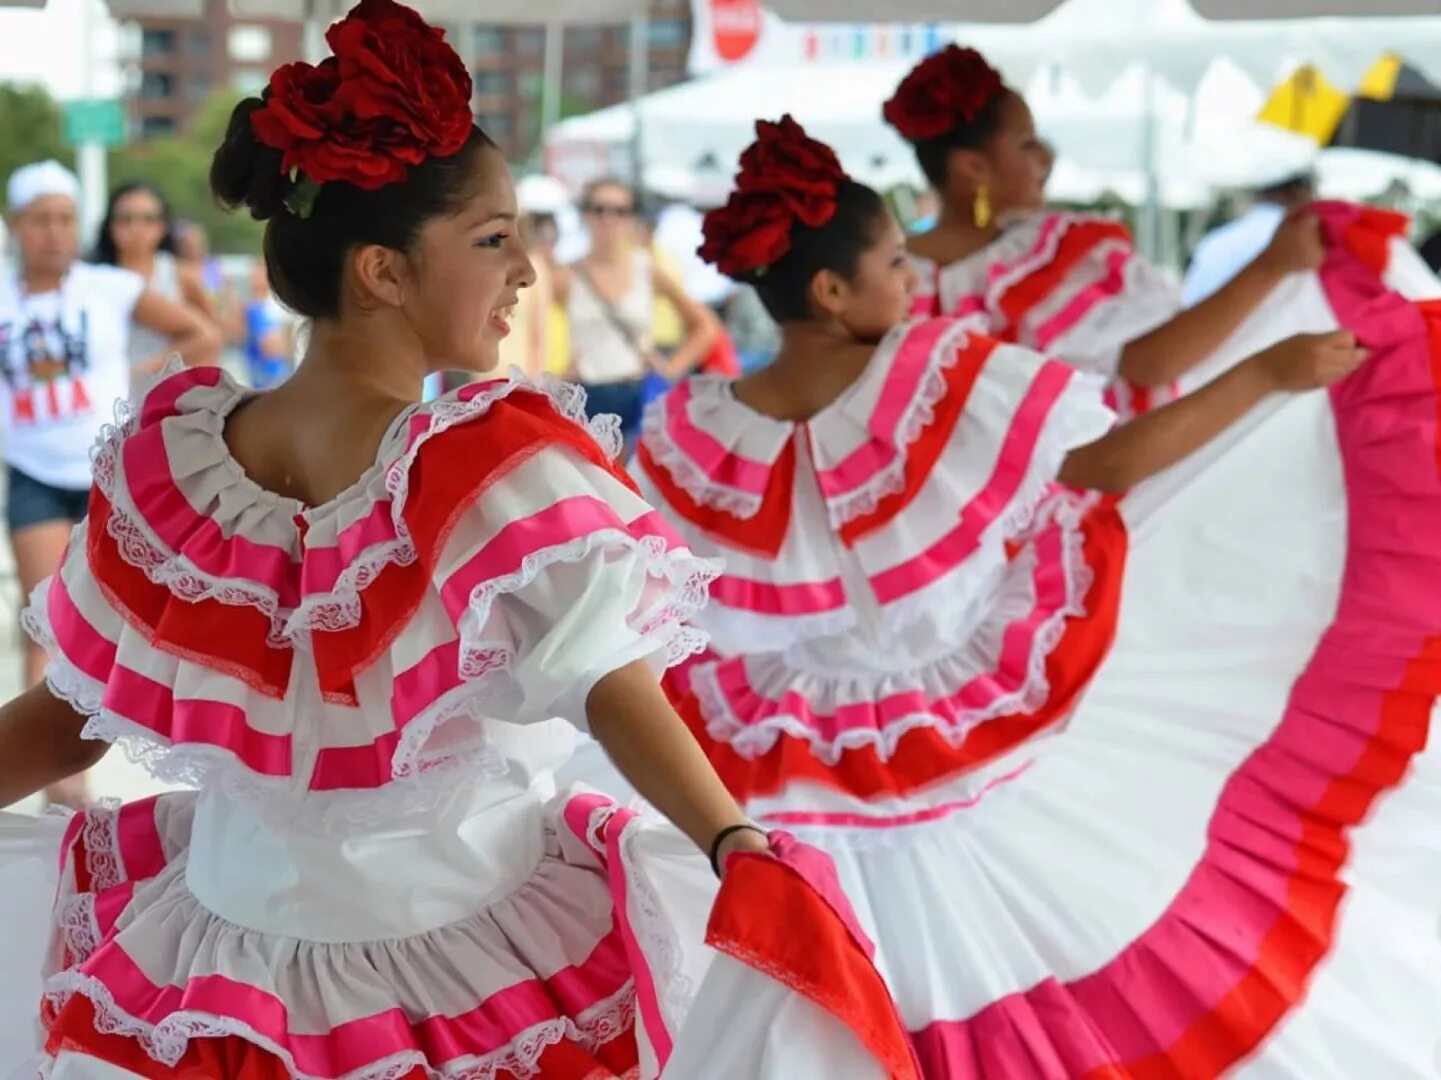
1225	251
64	361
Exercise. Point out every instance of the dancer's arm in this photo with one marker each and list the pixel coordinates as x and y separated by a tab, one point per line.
1157	440
1169	351
40	743
635	724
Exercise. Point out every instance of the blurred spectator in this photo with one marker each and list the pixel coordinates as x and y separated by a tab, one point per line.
192	248
927	210
138	234
678	234
1225	252
608	296
64	361
269	338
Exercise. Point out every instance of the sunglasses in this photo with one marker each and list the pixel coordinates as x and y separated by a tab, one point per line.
139	219
602	210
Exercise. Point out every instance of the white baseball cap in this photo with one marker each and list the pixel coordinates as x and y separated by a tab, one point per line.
31	182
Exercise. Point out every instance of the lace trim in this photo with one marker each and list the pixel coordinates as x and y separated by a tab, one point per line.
754	739
919	414
687	576
140	548
688	476
100	838
167	1041
79	928
654	931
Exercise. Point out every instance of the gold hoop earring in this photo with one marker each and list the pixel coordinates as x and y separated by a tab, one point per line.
981	208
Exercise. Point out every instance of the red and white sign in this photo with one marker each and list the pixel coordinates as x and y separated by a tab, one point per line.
735	27
734	33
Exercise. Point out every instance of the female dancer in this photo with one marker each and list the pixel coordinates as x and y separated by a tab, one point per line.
1093	772
1067	284
317	604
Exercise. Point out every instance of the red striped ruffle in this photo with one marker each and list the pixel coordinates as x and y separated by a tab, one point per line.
1208	982
240	639
926	755
105	1006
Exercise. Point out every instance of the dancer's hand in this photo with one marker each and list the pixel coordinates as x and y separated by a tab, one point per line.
1311	361
1296	247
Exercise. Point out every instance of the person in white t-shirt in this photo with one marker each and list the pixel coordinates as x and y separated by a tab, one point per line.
64	362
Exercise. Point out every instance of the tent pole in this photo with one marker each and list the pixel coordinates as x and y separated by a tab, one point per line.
90	160
312	32
554	72
1151	212
639	82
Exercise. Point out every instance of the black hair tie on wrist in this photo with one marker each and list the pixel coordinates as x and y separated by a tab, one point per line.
720	838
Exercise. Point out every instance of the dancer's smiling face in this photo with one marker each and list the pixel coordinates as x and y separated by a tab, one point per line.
458	283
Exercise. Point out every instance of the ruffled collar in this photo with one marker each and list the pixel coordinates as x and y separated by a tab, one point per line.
184	511
975	285
715	457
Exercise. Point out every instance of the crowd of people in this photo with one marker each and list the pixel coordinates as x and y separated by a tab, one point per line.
1026	672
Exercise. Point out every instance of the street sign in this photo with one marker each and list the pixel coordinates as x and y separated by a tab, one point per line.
94	121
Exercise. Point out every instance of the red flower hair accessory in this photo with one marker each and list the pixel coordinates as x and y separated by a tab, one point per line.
944	89
394	94
785	177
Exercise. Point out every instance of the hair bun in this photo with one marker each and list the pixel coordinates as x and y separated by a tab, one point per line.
245	172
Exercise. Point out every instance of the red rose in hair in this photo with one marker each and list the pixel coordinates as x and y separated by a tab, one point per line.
393	95
786	161
785	177
940	92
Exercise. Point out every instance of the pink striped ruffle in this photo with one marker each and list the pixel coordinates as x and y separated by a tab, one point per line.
953	695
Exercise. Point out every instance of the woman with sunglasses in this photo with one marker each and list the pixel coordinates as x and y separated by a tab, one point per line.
138	234
609	300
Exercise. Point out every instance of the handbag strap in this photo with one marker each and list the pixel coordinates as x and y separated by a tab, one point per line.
613	315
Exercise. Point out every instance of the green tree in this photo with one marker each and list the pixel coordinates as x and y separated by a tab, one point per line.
180	166
31	128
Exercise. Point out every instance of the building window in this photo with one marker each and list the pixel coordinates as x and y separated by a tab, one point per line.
197	43
487	40
250	44
584	83
669	33
156	85
154	126
249	81
492	82
199	87
530	42
583	39
157	43
498	125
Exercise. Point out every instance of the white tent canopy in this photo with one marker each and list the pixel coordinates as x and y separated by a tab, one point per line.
1021	11
507	12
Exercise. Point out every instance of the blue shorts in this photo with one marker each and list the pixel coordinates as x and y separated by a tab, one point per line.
625	399
30	502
